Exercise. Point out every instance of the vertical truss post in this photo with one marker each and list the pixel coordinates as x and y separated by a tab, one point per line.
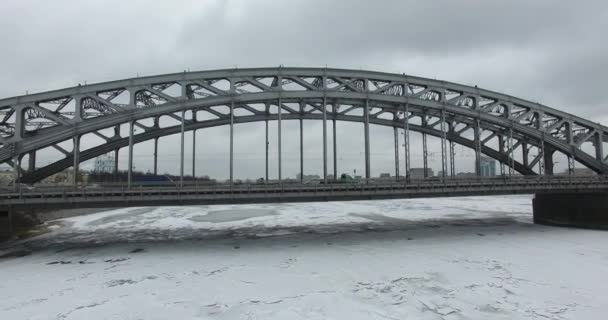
76	154
279	87
452	159
19	121
156	126
267	143
130	165
77	107
301	143
132	97
232	142
548	157
599	148
115	163
444	160
335	148
17	173
116	151
406	140
571	161
184	91
525	150
477	133
511	157
181	152
501	149
31	166
366	133
325	139
541	162
396	138
425	160
156	156
572	148
279	125
194	154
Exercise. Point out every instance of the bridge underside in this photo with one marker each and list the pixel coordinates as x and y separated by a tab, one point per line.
582	202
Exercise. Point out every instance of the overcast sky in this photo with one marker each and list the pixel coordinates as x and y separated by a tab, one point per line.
553	52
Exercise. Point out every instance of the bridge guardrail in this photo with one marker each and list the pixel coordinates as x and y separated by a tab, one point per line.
411	186
273	184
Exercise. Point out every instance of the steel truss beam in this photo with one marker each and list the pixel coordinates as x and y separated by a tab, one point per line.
33	122
91	153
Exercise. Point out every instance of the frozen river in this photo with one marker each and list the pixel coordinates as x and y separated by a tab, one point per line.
443	258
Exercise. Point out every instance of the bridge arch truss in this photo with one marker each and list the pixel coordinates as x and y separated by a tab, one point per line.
490	123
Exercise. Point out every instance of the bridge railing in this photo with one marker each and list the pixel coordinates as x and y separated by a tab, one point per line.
23	191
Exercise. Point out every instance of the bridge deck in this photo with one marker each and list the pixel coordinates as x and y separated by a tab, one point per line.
120	196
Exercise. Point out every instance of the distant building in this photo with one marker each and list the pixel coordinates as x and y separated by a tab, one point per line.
385	175
488	167
440	173
308	177
466	174
104	164
418	173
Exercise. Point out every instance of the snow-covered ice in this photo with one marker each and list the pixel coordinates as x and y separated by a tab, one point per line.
442	258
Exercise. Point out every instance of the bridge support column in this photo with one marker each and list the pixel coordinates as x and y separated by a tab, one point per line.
425	159
156	156
599	147
452	159
584	210
181	150
231	143
366	132
130	166
267	145
279	141
406	140
444	159
76	154
301	145
501	149
17	171
324	140
31	166
115	163
425	154
548	160
477	133
396	136
335	149
511	152
6	222
194	154
525	150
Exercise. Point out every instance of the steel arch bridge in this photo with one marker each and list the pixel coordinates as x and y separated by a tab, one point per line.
495	124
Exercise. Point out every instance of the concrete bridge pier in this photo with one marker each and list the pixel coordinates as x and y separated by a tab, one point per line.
6	223
583	210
